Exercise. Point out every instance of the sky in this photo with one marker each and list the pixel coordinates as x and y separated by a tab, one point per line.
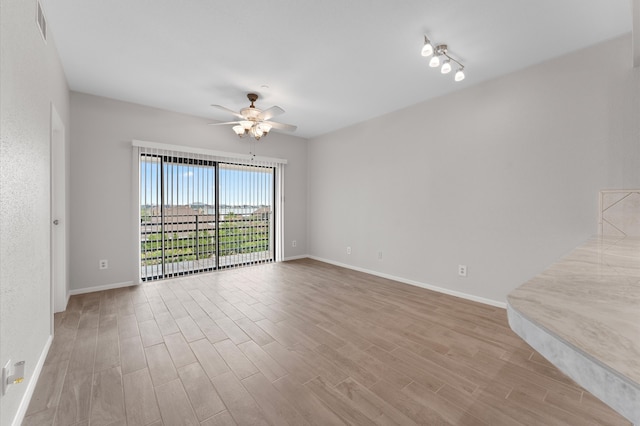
195	184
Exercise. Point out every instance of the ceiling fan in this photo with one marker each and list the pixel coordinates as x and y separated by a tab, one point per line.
254	122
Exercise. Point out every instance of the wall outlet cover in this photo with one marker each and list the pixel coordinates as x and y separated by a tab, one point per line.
462	270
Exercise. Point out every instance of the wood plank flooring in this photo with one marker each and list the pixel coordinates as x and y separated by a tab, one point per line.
296	343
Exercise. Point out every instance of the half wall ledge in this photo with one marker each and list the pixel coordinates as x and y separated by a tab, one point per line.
583	315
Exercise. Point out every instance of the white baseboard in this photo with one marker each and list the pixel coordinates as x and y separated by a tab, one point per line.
100	288
66	303
31	387
302	256
455	293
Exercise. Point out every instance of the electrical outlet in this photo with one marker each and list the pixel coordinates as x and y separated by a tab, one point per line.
462	270
349	250
12	374
103	264
294	243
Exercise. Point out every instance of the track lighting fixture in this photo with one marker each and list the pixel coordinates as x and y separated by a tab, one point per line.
440	56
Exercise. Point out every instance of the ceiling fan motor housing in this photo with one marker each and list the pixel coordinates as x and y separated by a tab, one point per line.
251	112
252	97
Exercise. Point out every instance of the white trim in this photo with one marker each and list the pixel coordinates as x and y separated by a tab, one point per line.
462	295
101	288
42	30
58	242
135	214
31	387
279	212
302	256
471	297
181	148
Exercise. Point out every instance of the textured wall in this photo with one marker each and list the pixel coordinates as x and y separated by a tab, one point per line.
101	181
31	78
502	177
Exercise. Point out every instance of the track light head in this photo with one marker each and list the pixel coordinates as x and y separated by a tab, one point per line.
427	49
446	67
459	74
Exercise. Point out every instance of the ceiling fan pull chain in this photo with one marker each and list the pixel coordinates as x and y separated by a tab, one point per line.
252	149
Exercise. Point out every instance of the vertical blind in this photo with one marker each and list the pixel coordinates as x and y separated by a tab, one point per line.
202	210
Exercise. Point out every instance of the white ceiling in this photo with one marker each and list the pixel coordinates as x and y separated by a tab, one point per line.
328	63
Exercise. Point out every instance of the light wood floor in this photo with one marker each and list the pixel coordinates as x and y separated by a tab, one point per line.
296	343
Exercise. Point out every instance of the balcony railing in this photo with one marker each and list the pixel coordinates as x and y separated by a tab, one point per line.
188	243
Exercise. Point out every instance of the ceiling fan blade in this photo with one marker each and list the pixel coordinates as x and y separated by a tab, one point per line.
270	112
282	126
230	111
222	124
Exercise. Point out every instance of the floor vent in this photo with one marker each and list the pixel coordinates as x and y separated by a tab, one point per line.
42	23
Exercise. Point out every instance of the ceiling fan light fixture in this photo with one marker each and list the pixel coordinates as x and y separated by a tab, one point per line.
239	130
266	128
246	124
256	132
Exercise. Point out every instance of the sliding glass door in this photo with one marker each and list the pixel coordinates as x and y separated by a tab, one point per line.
200	215
245	214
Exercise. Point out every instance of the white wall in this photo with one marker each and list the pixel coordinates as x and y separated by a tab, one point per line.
31	78
101	181
503	176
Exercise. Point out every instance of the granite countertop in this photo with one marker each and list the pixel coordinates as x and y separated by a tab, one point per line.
590	299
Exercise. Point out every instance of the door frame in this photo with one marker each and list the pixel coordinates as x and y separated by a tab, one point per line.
58	191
